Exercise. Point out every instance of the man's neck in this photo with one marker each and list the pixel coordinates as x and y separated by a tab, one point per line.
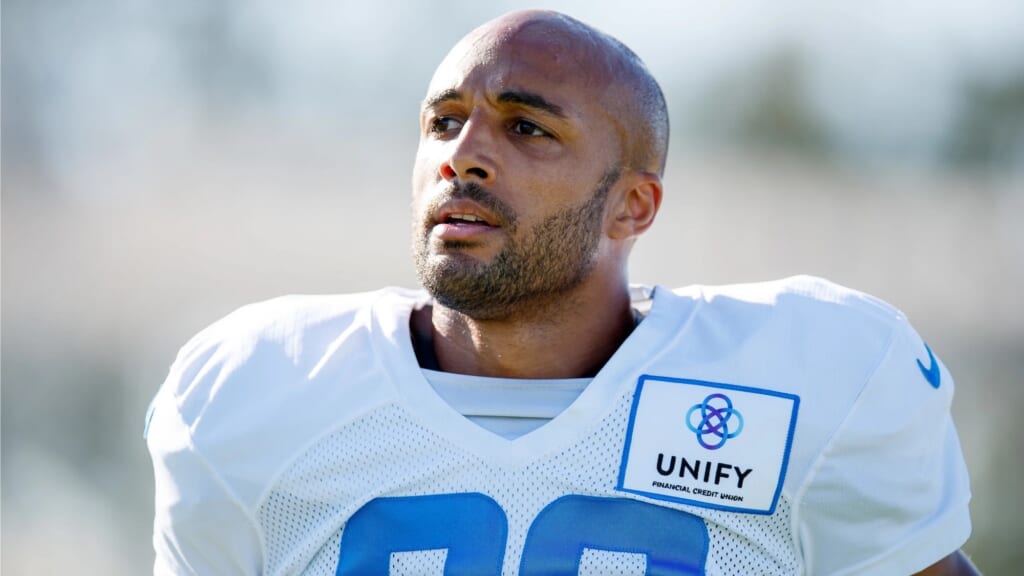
569	339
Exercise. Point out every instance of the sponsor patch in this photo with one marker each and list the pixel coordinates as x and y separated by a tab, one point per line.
708	444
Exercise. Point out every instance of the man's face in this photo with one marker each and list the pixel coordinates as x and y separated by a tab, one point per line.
515	161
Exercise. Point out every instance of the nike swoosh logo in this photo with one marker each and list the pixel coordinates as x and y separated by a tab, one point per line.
931	373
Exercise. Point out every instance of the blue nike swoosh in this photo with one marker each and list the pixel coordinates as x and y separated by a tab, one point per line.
931	373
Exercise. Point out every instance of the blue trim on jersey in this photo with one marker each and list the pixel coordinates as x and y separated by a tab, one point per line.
785	456
932	374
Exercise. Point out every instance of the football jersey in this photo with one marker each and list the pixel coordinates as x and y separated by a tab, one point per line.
788	427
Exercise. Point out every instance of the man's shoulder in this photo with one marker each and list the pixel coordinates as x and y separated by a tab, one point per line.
285	316
801	290
274	344
800	325
799	300
250	391
276	373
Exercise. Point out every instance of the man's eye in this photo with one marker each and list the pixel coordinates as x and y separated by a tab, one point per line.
527	128
443	125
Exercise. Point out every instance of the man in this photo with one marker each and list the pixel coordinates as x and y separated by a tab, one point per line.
522	415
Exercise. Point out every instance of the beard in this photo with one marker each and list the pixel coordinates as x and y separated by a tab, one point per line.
551	258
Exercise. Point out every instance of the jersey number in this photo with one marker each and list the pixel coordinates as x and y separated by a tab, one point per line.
474	529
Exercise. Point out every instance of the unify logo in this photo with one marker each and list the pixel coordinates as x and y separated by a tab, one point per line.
718	421
690	461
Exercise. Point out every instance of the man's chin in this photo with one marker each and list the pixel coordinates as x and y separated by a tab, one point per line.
456	269
460	258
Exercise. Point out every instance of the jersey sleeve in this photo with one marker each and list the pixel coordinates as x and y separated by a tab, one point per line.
889	493
199	527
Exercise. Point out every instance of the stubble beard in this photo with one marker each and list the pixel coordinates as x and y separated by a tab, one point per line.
552	258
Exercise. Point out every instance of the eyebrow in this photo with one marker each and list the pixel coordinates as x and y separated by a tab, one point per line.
441	97
531	100
517	97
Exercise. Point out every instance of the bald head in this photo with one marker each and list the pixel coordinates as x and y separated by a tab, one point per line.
603	65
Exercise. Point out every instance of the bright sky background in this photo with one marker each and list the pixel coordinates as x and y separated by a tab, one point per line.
96	82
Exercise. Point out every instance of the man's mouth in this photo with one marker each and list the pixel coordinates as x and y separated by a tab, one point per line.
465	220
462	226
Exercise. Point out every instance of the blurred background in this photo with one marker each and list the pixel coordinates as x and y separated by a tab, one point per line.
167	162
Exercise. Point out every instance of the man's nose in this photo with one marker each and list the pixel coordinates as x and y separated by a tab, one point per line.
472	153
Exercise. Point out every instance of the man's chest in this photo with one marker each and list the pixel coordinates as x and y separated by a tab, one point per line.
387	495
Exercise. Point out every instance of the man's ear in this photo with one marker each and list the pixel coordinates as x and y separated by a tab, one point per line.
635	206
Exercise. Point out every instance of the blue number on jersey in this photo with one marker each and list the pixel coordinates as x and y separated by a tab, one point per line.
674	541
474	529
471	526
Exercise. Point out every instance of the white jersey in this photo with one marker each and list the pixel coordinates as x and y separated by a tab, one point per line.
791	427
